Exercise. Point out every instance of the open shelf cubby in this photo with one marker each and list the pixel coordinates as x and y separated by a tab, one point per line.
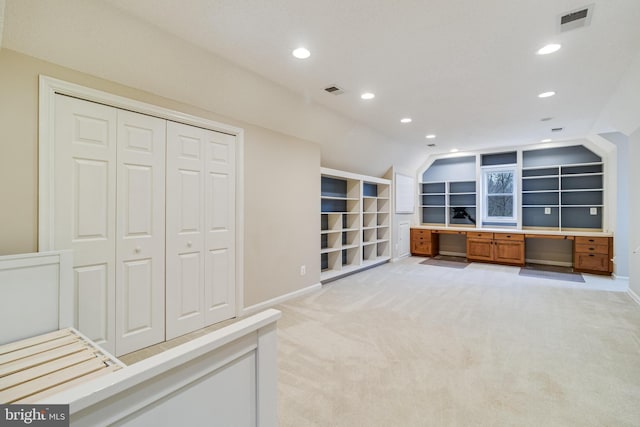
562	188
449	203
355	226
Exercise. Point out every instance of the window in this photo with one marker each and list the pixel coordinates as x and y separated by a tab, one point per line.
499	195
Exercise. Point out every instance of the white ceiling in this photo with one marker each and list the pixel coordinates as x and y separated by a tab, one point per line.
465	70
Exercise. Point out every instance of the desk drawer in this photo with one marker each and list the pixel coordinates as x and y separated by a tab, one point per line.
422	247
479	235
421	238
592	249
592	262
586	240
509	236
417	233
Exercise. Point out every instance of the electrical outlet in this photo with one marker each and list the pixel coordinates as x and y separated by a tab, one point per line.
593	211
547	211
303	270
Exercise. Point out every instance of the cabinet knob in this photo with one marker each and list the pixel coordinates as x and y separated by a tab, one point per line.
138	249
189	243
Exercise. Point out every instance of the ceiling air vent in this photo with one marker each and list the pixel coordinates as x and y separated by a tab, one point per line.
557	129
334	90
576	19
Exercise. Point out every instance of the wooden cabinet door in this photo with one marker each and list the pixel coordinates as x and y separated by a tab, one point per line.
593	254
480	249
591	262
510	252
423	243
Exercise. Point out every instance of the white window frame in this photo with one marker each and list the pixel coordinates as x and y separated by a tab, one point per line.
513	168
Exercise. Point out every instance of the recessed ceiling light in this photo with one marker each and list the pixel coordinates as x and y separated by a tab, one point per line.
550	48
546	94
301	53
405	120
367	95
454	150
546	140
430	136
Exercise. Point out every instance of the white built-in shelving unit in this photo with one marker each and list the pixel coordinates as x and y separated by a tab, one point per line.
563	196
449	203
355	222
562	188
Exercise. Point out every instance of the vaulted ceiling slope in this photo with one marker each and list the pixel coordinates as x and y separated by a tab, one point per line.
465	70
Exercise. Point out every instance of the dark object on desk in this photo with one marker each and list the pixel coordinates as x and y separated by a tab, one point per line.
461	213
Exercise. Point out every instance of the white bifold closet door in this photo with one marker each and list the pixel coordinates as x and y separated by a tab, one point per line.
109	208
140	228
200	263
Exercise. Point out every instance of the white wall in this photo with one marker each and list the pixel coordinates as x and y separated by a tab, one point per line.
88	42
281	213
96	38
621	188
622	114
634	208
2	6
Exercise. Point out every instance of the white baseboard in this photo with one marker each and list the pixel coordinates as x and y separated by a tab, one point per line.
548	262
448	253
400	257
252	309
633	296
615	276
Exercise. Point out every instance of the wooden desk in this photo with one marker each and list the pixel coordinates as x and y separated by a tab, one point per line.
590	254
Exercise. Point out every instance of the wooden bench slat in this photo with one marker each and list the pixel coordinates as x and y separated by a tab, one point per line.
24	390
38	348
28	342
40	358
47	368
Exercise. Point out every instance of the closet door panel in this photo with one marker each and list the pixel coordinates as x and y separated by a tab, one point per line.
84	203
92	290
188	285
185	233
217	297
190	204
219	287
138	289
91	200
140	231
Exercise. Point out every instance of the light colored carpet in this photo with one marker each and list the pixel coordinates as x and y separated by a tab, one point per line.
551	273
446	261
406	344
